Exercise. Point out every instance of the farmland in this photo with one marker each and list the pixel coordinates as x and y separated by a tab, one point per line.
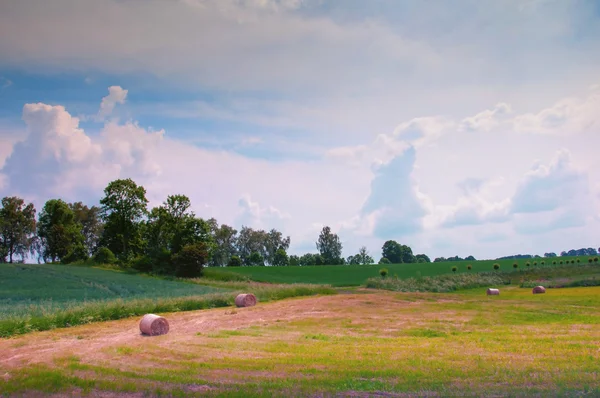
370	342
355	275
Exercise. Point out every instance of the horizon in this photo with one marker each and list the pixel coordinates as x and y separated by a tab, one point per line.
458	129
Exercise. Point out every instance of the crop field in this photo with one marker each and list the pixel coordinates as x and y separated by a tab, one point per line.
355	275
367	343
28	289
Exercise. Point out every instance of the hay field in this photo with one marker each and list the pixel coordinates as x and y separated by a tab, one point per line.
356	275
368	343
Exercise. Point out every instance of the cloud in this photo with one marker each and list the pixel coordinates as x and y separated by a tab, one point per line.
5	83
254	215
116	95
486	120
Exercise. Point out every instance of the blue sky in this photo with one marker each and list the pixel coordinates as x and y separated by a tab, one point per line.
457	128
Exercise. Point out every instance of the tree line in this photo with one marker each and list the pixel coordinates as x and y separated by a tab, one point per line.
167	239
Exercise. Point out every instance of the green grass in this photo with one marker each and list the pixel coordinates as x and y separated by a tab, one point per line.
355	275
406	344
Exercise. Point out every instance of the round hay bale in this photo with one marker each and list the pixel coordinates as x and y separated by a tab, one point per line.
154	325
493	292
539	289
245	300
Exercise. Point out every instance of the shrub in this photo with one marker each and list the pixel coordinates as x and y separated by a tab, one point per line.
554	262
535	263
143	264
590	260
77	253
383	272
595	259
572	261
189	262
527	264
543	263
561	261
384	260
516	265
454	269
235	261
104	256
578	260
496	266
469	267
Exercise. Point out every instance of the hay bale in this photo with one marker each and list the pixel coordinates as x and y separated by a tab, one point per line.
539	289
493	292
154	325
245	300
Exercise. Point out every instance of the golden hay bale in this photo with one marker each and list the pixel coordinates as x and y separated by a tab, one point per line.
539	289
493	292
245	300
154	325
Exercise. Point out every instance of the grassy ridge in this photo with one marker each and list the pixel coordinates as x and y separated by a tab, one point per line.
355	275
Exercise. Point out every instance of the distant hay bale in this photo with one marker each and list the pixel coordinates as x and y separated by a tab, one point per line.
154	325
493	292
539	289
245	300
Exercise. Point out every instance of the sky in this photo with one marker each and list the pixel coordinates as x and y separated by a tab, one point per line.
457	128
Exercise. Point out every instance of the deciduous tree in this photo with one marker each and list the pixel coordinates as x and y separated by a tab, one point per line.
17	228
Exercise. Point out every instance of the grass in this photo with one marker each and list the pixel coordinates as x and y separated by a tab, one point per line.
356	275
382	343
45	297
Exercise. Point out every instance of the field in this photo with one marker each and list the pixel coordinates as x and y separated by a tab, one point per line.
356	275
367	343
44	297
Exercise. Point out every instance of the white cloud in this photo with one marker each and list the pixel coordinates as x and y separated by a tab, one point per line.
254	215
5	83
116	95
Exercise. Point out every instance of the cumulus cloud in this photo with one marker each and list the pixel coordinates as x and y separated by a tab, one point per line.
256	216
116	95
486	120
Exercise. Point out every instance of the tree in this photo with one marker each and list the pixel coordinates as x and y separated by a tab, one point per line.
224	238
190	260
294	260
249	241
330	247
281	258
91	225
384	260
273	242
122	208
422	258
256	259
234	261
17	228
59	232
307	259
363	256
392	250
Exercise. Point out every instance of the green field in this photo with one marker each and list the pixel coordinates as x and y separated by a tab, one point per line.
28	289
355	275
375	343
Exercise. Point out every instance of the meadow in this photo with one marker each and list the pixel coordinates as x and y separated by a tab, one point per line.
356	275
370	343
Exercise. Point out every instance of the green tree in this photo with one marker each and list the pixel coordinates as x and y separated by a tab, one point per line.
190	260
392	250
91	225
422	258
273	241
224	238
17	228
384	260
330	247
122	208
59	232
364	257
234	261
281	257
256	259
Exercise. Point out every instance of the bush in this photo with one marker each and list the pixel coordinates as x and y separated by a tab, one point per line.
190	261
516	265
104	256
77	253
496	266
469	267
143	264
595	259
384	260
527	264
535	263
543	263
590	260
454	269
235	261
383	272
561	261
554	262
577	260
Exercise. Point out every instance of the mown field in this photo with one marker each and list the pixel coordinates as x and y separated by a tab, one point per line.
355	275
372	343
